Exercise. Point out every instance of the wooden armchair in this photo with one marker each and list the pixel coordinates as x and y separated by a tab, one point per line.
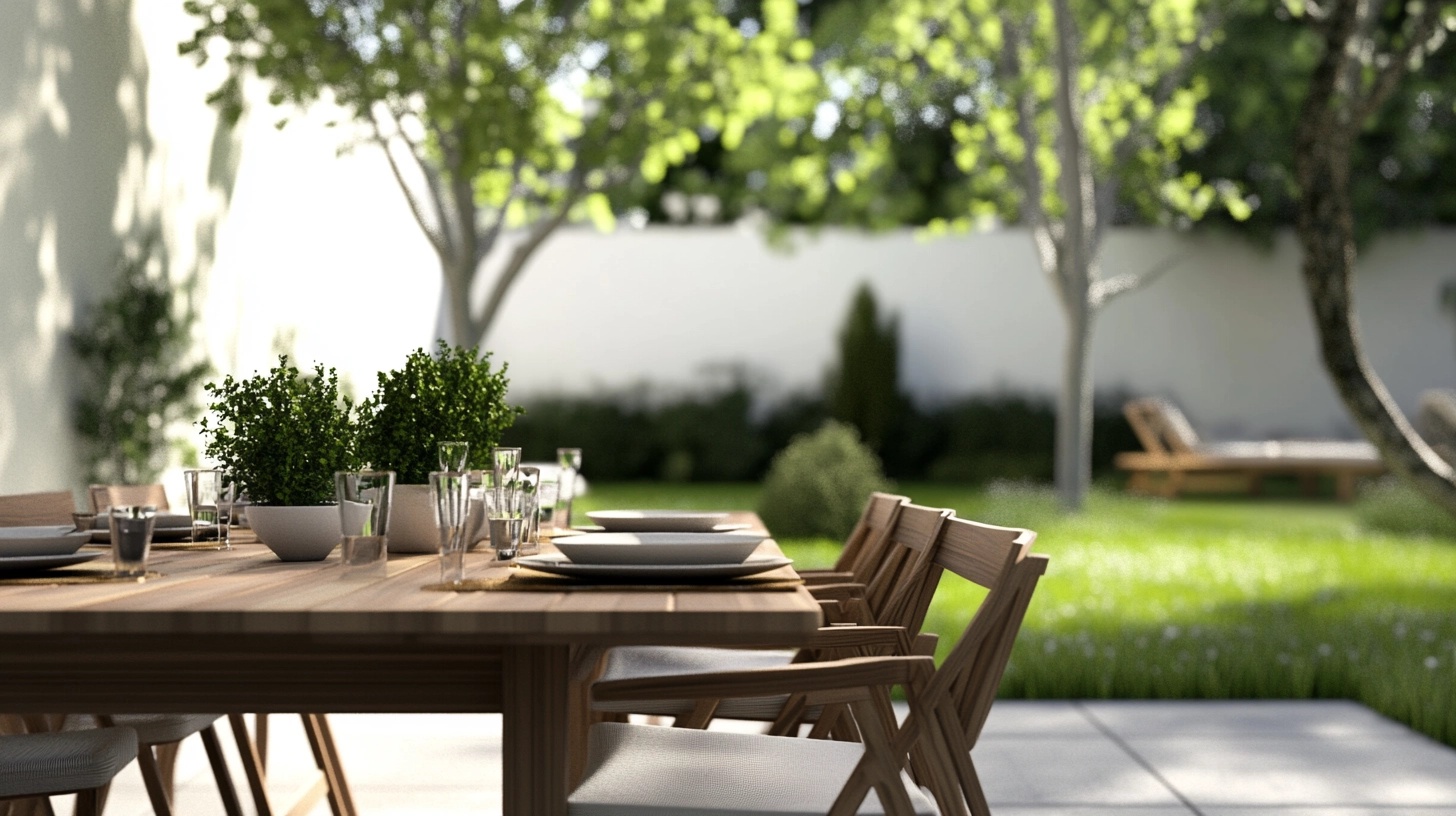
105	496
1174	459
635	769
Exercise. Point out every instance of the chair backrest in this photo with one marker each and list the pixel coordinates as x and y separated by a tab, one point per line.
867	540
901	585
105	496
1160	426
27	509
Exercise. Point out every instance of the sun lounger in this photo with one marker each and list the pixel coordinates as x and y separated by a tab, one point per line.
1174	459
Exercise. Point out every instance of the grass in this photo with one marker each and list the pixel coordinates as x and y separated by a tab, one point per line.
1196	599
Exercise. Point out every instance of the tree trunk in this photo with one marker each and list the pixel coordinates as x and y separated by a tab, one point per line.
457	275
1073	457
1325	137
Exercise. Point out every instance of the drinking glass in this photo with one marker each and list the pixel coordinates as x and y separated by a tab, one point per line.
530	484
227	498
548	495
570	461
450	496
505	514
364	498
204	494
505	462
454	456
131	538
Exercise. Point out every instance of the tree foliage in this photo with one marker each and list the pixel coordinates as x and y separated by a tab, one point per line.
511	115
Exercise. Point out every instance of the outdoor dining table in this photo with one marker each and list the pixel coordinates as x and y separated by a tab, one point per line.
240	631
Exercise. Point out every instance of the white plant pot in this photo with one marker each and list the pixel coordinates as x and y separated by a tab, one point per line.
412	522
297	533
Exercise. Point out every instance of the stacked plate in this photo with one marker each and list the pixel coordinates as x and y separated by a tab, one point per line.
165	527
657	544
32	548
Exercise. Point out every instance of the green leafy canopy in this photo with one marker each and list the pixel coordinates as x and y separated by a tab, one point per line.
453	394
282	436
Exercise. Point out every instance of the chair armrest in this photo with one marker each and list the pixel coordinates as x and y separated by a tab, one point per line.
816	577
858	637
796	678
925	644
837	591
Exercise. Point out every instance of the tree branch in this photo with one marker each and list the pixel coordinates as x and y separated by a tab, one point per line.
1080	221
1033	210
436	238
1104	291
1395	69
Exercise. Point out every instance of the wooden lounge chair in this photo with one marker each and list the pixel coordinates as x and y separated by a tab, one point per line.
1174	459
636	769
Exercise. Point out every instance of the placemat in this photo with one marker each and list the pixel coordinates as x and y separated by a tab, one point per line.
169	545
525	580
58	577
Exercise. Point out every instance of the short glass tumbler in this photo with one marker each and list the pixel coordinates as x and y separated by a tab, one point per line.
204	496
364	499
505	513
131	538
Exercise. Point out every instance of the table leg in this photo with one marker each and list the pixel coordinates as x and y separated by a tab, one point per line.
536	707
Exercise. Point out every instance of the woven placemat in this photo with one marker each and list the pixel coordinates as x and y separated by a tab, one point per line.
169	545
57	577
524	580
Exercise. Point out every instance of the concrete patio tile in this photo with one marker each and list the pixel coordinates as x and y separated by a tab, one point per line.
1065	770
1393	810
1231	769
1038	718
1313	718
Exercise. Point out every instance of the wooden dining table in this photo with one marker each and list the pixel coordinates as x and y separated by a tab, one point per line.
240	631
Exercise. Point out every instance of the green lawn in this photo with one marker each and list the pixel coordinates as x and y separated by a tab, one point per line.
1196	598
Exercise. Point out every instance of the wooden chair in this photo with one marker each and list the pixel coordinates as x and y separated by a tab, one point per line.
158	736
105	496
1174	458
864	546
35	509
57	763
644	769
888	611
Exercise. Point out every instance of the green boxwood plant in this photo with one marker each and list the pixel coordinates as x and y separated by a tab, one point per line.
282	435
451	394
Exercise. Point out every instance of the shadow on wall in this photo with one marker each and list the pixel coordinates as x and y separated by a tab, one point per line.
81	178
73	82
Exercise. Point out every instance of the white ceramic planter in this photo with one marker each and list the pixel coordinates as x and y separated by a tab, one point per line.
297	533
412	522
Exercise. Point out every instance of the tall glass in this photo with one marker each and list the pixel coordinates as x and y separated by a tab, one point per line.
364	499
505	464
506	518
131	538
530	484
450	495
206	499
570	461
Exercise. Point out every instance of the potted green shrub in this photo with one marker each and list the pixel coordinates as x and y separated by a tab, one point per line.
281	436
452	394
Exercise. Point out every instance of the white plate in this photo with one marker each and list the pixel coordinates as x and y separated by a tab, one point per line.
38	562
659	548
169	527
18	542
560	566
657	521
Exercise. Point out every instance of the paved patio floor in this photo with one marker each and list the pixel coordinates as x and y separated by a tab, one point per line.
1329	758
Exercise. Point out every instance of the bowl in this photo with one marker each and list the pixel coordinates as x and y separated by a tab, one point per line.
659	548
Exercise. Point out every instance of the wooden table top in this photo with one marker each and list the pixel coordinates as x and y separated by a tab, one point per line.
247	591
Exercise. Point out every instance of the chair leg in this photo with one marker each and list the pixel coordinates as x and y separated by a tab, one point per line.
321	740
230	804
252	764
152	778
88	802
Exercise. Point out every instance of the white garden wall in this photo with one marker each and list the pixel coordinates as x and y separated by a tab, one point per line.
103	126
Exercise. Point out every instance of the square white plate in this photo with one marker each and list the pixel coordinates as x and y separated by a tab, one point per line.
657	521
659	548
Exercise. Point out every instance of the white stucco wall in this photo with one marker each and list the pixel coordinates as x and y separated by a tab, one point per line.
102	126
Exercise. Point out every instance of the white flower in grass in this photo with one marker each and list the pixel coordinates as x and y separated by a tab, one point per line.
1432	662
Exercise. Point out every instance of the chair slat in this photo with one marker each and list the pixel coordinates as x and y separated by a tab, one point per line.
31	509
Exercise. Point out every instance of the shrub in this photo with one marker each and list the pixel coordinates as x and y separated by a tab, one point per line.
451	394
818	485
1389	506
282	435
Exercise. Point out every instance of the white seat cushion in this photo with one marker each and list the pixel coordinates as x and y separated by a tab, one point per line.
58	761
642	770
624	662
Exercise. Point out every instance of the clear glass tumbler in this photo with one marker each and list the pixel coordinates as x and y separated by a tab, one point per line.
364	499
450	496
131	538
530	484
570	461
506	519
454	455
204	494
